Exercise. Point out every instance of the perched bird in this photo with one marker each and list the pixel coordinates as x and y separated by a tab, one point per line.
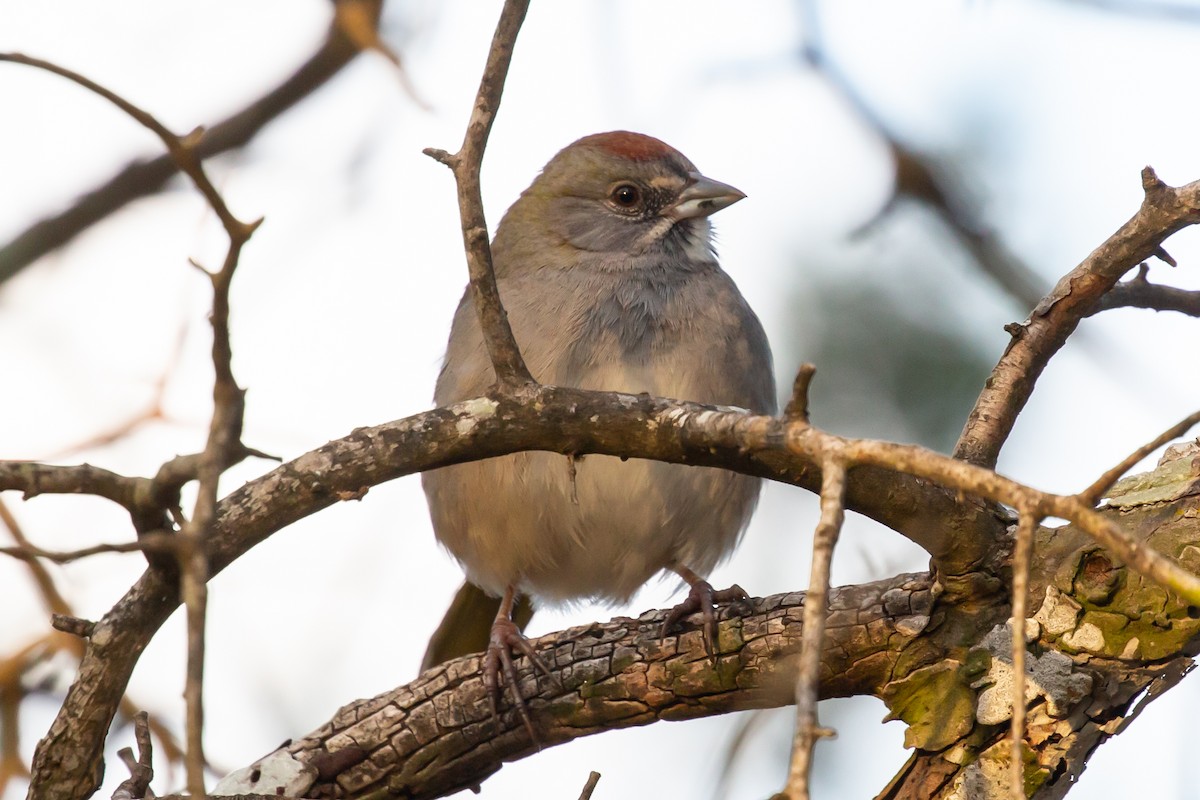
606	267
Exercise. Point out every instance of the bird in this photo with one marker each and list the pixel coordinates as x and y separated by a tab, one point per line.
607	270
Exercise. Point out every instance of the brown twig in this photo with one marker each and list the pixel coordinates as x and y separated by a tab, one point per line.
1137	292
141	772
510	368
560	420
224	441
1094	493
991	486
13	667
1164	210
816	601
797	407
590	786
154	543
33	479
1022	554
53	599
147	177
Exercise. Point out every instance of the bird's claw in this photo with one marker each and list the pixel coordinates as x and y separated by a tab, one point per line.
506	638
703	598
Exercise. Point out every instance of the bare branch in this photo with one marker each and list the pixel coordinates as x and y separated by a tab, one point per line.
79	628
797	407
224	446
141	772
590	786
510	368
147	177
1164	210
53	599
1026	527
808	683
1094	493
33	479
1137	292
628	675
559	420
156	543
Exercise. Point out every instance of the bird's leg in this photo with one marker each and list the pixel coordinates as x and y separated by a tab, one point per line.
506	638
701	598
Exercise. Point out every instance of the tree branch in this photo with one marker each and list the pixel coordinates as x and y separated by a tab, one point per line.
144	178
808	683
1164	210
543	418
224	447
436	735
1137	292
509	366
33	479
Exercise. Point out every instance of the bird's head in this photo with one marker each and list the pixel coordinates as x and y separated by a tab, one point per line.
616	198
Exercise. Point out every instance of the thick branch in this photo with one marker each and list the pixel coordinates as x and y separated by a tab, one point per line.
1164	210
543	418
435	735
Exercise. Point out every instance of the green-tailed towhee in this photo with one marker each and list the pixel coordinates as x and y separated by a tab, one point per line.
606	267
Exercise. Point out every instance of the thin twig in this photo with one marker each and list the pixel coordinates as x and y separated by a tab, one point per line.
33	479
1022	554
53	599
141	772
152	543
224	446
1094	493
797	407
1138	292
985	483
510	368
144	178
816	601
590	786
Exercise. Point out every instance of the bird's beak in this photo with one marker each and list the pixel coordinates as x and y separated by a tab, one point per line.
701	197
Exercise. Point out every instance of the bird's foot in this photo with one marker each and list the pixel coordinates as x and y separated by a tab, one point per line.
703	598
505	640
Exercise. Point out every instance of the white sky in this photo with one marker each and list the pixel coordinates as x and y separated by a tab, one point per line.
343	300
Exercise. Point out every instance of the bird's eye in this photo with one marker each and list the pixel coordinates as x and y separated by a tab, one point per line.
626	196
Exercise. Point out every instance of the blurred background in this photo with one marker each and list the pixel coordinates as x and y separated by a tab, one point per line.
918	174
